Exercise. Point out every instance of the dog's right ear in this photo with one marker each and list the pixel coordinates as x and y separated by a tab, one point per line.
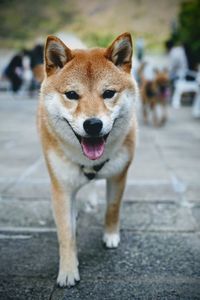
57	54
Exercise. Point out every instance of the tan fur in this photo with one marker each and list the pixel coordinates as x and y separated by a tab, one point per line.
113	207
89	73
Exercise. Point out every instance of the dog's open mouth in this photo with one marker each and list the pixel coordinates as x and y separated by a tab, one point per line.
93	147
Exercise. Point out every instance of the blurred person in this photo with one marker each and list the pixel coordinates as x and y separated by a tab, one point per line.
27	74
178	63
37	65
14	71
183	79
139	48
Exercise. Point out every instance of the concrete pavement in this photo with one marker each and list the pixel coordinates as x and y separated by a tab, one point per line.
159	256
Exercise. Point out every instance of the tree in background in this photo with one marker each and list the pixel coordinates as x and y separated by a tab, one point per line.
188	31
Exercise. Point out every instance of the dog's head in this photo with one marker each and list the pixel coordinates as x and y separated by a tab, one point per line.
89	94
162	83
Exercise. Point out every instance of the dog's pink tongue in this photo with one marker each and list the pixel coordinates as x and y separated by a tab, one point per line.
93	148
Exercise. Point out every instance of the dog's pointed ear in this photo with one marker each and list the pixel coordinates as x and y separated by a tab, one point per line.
57	54
120	51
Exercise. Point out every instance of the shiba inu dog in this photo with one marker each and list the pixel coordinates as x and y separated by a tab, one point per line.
87	126
154	93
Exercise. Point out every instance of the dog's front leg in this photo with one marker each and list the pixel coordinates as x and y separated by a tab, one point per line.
154	115
145	113
115	189
164	116
65	217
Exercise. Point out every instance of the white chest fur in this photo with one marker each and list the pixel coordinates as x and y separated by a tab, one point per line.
71	175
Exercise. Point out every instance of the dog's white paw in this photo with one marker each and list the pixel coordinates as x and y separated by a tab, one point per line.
68	278
111	240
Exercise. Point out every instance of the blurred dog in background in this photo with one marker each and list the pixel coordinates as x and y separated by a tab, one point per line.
154	87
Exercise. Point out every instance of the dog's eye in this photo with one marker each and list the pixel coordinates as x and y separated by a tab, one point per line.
72	95
108	94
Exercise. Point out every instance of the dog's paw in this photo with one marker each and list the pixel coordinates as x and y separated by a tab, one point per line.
68	278
111	240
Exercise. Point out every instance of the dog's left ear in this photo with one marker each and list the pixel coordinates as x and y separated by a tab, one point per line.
120	52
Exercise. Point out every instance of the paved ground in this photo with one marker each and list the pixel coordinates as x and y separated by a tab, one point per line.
159	256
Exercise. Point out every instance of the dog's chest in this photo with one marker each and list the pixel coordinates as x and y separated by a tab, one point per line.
112	166
76	175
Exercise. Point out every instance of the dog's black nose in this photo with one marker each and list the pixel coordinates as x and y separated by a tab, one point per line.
93	126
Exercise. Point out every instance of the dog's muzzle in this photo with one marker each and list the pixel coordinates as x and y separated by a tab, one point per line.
93	145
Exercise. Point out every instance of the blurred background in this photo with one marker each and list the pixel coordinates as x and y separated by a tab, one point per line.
98	22
161	210
95	22
24	28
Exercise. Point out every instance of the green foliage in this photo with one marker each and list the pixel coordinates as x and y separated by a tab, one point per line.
189	27
22	20
99	39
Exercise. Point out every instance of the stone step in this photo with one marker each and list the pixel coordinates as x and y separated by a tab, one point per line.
135	215
144	190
